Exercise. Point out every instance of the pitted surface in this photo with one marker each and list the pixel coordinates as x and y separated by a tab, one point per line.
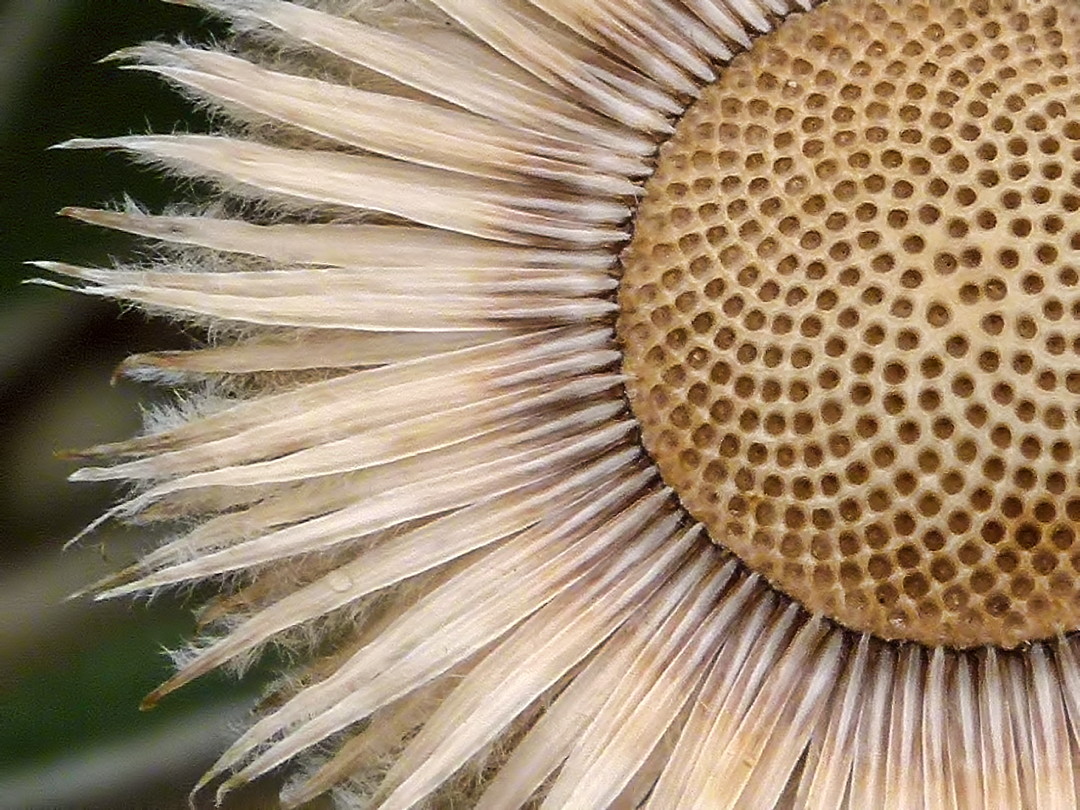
850	315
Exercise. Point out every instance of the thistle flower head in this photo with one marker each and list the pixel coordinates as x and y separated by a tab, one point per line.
665	403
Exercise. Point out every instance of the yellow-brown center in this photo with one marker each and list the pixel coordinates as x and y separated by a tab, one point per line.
850	315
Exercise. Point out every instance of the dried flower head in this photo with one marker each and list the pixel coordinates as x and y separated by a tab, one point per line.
666	403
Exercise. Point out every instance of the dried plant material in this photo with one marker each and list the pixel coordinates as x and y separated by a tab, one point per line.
849	317
590	407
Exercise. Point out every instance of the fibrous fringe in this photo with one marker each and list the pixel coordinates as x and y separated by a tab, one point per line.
449	254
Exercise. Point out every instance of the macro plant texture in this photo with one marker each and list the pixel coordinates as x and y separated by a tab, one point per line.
617	403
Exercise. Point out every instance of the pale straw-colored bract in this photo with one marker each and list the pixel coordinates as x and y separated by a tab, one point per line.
409	449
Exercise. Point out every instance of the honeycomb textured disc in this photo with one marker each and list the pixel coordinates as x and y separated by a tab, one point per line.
850	316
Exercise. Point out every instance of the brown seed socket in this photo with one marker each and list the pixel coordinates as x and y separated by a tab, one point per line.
850	316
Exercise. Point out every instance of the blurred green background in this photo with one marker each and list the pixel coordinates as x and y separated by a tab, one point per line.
72	672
